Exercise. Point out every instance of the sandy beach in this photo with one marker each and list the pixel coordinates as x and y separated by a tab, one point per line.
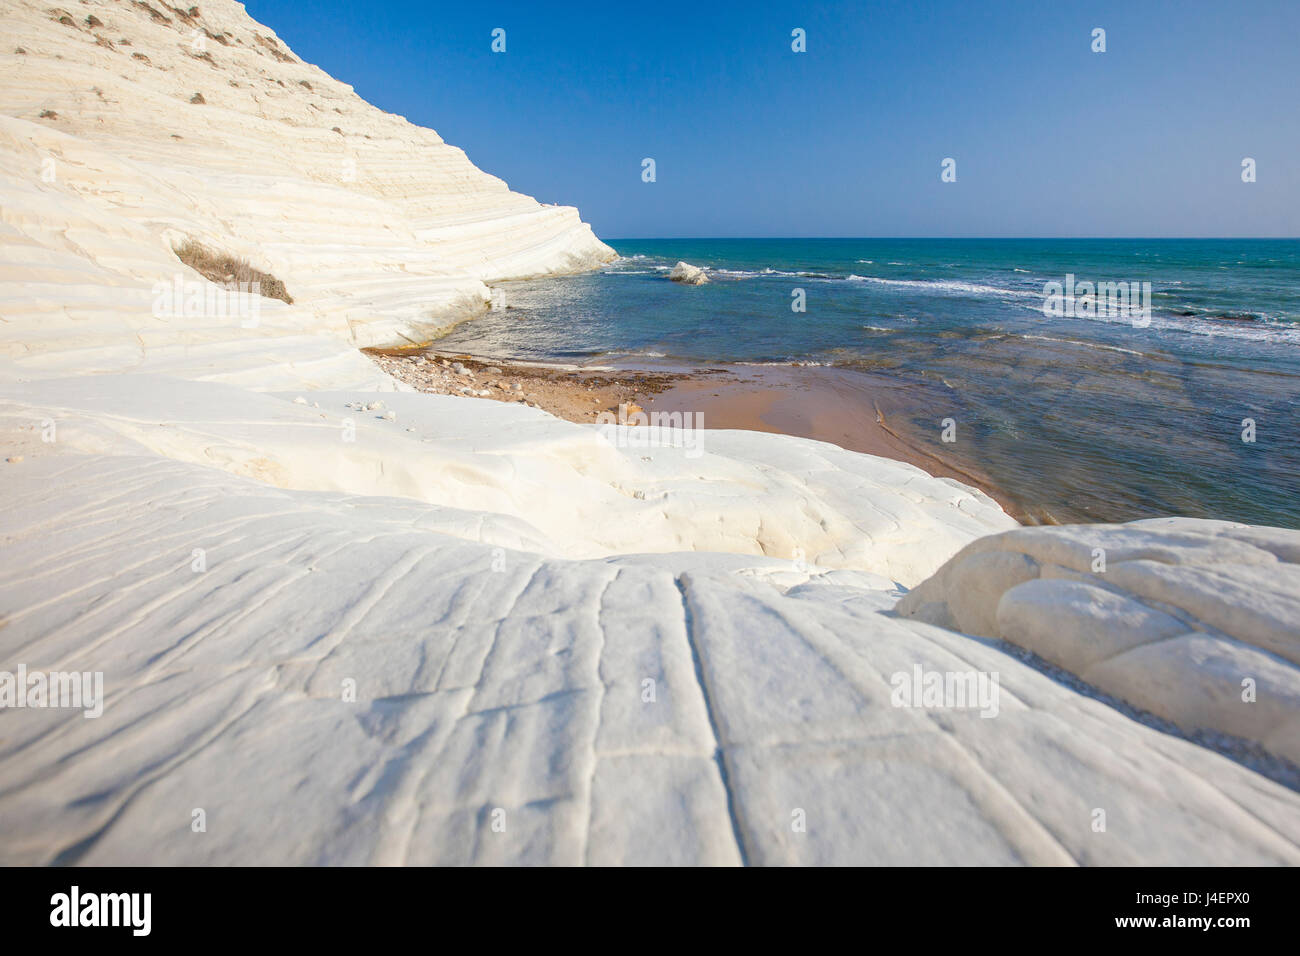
848	408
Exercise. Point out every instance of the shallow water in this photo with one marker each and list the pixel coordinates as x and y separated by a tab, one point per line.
1080	418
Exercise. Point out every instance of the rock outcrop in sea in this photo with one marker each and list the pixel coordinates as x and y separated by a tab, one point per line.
688	274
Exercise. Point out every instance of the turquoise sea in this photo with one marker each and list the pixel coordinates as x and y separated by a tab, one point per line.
1085	418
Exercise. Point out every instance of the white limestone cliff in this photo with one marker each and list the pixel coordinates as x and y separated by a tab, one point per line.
383	233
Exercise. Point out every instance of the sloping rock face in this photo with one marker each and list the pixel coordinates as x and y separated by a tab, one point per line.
583	491
444	646
128	126
1195	621
345	679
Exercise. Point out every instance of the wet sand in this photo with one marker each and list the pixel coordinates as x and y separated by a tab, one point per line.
846	407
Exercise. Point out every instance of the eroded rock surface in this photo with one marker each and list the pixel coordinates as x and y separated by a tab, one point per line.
382	233
509	707
1195	621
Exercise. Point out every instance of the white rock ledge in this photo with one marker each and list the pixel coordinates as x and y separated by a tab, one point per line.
1195	621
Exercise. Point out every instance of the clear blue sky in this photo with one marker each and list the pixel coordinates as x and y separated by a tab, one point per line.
751	139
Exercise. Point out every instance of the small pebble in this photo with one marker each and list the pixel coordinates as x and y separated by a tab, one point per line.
14	459
389	416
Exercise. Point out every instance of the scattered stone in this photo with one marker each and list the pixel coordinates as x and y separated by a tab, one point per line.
559	394
14	459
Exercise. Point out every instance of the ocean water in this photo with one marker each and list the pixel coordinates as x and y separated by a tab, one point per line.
1092	418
